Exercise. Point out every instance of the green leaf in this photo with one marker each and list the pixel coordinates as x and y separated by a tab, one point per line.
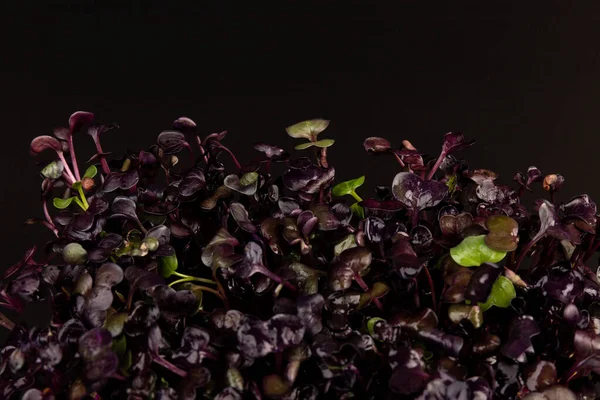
249	178
119	345
371	324
76	185
324	143
90	172
61	204
307	129
472	252
348	187
115	323
347	243
126	363
503	291
451	183
303	146
74	254
358	210
167	265
53	170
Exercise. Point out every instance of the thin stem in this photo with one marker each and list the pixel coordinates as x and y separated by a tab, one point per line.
277	278
83	199
79	203
67	169
221	289
575	368
166	364
118	377
6	323
399	160
359	280
417	298
415	218
356	196
203	288
141	226
235	160
524	252
67	179
436	166
192	278
191	152
73	158
103	162
48	223
324	163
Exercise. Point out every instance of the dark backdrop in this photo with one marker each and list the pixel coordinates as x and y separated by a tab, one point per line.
523	80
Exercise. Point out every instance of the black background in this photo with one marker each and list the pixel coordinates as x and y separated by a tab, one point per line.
523	80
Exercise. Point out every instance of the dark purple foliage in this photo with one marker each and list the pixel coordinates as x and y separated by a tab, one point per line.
173	277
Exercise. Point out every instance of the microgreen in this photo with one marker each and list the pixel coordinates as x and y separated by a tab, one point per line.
175	276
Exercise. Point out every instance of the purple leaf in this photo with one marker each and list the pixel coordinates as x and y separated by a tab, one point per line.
271	152
171	142
124	207
581	207
121	180
521	330
240	214
192	182
480	285
79	119
42	143
416	194
377	145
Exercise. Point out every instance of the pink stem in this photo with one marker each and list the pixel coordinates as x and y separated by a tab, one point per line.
237	164
67	169
359	280
164	363
399	160
105	167
67	178
277	278
73	158
436	166
524	252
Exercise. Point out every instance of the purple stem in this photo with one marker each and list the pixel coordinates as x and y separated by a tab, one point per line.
103	162
399	160
574	369
365	287
436	166
276	278
49	224
73	158
524	252
67	178
192	156
67	169
166	364
415	218
235	160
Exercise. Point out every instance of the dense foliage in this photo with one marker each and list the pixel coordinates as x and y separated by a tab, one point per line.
171	277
